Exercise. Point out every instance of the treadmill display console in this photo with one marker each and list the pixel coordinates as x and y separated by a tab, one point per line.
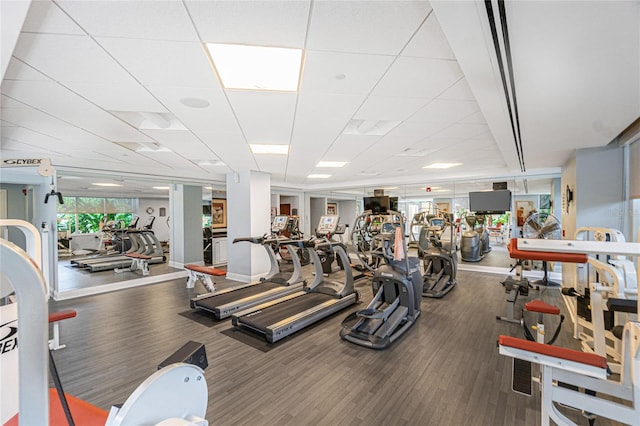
328	224
279	223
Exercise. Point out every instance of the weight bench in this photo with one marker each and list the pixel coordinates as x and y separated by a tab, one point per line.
54	343
520	285
139	262
203	274
564	372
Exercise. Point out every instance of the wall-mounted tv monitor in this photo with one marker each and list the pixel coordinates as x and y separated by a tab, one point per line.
393	204
206	209
490	202
377	204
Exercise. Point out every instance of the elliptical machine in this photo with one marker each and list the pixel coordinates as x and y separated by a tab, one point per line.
396	286
440	263
484	234
471	244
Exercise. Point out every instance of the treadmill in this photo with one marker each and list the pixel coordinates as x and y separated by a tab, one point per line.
223	303
279	318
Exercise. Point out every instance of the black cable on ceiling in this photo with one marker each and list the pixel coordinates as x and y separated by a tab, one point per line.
513	111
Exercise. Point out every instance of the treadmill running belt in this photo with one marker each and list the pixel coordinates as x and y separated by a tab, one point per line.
276	313
222	299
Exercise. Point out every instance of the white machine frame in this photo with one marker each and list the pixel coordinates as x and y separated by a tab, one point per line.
555	369
176	394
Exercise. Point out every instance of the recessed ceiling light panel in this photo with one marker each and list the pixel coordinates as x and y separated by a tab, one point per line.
160	187
106	184
442	165
318	176
256	67
331	164
269	149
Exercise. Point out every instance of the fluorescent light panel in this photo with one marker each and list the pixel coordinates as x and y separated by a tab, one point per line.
442	165
160	187
256	67
269	149
331	164
318	176
106	184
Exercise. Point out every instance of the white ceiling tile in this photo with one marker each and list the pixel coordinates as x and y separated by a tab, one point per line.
163	63
69	58
445	111
70	108
7	102
118	97
272	163
265	117
365	27
418	78
231	148
389	108
217	117
463	130
429	42
46	17
264	23
408	133
347	147
160	20
183	142
17	70
476	118
458	92
346	73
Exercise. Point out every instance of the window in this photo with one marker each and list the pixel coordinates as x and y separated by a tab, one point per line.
81	215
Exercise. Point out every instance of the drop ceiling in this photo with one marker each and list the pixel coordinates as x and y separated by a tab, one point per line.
84	76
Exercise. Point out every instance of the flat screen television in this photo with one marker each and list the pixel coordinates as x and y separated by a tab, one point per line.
377	204
206	209
490	202
393	203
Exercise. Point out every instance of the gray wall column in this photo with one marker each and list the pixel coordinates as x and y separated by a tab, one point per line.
185	204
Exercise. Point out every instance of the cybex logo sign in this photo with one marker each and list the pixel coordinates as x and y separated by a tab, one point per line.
23	161
8	336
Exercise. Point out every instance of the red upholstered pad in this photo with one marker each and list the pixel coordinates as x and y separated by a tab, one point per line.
138	256
206	270
548	256
82	412
542	307
554	351
60	315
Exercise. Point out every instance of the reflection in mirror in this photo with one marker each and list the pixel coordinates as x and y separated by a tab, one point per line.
105	221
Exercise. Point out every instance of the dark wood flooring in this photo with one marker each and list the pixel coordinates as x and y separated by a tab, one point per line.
445	370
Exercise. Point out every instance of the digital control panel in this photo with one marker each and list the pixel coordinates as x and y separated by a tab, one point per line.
279	223
328	224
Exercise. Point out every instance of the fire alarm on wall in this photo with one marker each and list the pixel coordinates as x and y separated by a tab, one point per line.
428	189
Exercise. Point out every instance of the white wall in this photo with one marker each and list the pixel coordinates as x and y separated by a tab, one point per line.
160	226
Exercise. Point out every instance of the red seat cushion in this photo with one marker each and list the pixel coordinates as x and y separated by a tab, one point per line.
206	270
138	256
60	315
548	256
542	307
83	413
554	351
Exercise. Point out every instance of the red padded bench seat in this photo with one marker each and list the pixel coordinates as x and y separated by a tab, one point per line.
82	412
548	256
138	256
61	315
554	351
206	270
542	307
